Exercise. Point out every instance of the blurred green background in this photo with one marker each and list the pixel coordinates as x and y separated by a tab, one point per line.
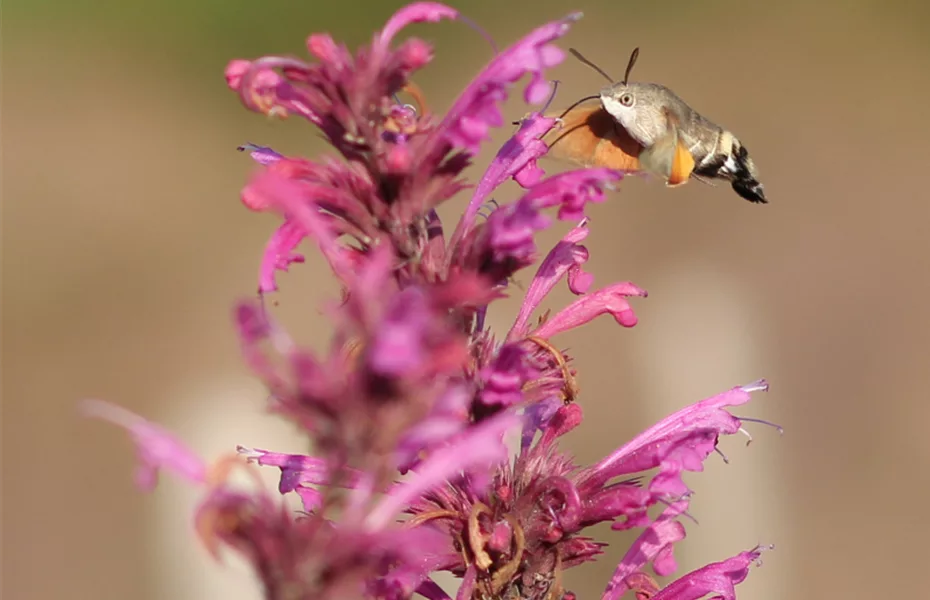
124	245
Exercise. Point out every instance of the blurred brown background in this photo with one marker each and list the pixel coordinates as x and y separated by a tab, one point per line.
124	245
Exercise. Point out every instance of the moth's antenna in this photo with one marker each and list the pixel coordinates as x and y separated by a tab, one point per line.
584	60
629	66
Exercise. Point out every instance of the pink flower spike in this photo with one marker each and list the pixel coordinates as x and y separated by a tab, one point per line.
155	447
261	154
679	442
718	578
279	254
480	447
566	257
653	544
611	299
418	12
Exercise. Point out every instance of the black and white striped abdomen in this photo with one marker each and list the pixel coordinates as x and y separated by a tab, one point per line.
729	160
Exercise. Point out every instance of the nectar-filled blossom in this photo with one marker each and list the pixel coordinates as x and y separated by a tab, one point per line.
436	442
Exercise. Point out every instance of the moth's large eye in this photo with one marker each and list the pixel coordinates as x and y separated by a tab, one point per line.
626	99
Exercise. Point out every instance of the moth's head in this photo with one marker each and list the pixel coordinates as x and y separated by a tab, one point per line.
632	103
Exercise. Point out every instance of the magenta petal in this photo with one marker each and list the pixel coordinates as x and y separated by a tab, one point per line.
609	300
718	578
579	280
529	175
279	255
538	89
416	12
653	544
156	448
566	257
664	562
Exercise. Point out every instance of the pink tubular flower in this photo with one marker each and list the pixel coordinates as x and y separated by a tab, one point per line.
409	405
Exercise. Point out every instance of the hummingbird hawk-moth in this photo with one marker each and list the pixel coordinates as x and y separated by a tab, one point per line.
647	127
